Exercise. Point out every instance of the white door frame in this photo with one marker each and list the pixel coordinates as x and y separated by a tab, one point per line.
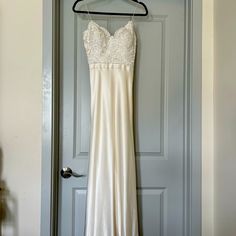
193	81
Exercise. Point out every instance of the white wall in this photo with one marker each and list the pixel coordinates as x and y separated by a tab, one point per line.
20	113
207	119
225	117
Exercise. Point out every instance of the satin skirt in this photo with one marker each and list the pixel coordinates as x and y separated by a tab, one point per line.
111	207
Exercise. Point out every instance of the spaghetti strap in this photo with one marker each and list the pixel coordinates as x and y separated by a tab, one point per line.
88	12
132	19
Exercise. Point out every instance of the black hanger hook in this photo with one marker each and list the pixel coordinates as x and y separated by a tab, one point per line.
112	13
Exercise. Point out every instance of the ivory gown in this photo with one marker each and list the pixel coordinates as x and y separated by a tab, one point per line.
111	196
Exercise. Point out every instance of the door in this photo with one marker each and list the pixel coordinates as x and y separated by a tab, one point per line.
159	101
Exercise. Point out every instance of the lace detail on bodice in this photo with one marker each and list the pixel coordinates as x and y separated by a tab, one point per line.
102	47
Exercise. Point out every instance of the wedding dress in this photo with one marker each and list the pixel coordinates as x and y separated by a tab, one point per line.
111	208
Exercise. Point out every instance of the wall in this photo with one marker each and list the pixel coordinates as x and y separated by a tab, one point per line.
20	114
225	117
207	118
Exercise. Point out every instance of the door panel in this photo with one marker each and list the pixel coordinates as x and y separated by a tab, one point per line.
158	116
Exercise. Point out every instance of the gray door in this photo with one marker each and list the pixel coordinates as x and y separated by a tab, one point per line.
158	115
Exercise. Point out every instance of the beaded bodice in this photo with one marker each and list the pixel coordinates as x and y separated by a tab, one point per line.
102	47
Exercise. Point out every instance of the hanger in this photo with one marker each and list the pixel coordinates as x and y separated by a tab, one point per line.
112	13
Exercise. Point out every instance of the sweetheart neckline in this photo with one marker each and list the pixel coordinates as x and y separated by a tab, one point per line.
105	29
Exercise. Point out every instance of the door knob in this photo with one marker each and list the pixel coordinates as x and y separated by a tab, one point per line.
67	172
